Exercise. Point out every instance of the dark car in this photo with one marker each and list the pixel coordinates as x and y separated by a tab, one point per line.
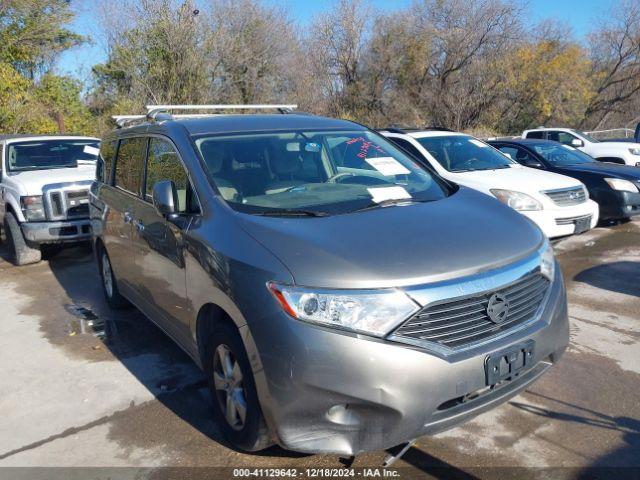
616	188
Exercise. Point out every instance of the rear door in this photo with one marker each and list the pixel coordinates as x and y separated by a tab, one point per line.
158	246
120	199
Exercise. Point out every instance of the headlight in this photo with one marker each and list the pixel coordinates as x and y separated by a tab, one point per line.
33	208
517	200
621	185
547	261
374	312
634	151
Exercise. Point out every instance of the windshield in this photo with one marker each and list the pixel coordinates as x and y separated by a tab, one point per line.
561	155
462	153
47	154
328	172
587	137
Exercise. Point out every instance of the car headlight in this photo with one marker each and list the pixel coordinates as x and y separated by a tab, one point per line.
634	151
517	200
33	208
547	261
374	312
621	185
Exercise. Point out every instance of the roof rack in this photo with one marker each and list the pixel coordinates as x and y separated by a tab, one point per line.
162	112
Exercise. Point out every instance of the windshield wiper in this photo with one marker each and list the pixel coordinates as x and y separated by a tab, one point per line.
388	203
289	212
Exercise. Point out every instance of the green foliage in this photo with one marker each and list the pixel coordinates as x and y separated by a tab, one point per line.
32	34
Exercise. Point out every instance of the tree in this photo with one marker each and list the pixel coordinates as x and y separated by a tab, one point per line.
33	100
336	48
251	52
33	33
615	54
538	88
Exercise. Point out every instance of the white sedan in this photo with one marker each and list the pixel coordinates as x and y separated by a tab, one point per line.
559	205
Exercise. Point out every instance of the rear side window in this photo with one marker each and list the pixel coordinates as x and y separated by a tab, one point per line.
130	164
538	134
164	164
104	166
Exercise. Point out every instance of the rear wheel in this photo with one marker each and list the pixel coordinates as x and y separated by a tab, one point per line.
233	391
22	253
109	285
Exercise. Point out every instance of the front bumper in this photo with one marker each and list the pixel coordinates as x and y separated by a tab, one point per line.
329	392
616	204
57	232
552	220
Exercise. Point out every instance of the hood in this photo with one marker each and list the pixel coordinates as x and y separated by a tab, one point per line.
612	169
394	246
518	178
32	181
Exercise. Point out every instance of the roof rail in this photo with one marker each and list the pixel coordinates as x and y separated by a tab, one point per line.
153	110
124	120
162	112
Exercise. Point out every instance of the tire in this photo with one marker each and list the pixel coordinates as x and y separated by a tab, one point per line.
109	285
227	389
22	253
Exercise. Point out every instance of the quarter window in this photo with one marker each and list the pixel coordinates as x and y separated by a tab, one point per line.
130	163
164	164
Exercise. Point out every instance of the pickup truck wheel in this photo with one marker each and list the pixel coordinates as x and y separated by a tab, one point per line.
109	285
21	252
233	391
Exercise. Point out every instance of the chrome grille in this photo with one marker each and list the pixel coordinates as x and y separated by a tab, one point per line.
571	220
56	205
66	201
458	323
567	196
77	203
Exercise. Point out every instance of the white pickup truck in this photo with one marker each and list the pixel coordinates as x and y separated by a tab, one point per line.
625	153
44	186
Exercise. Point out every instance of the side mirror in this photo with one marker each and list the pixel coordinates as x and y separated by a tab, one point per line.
532	163
165	198
577	143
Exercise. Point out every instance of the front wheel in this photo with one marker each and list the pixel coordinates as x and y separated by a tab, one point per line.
233	391
22	253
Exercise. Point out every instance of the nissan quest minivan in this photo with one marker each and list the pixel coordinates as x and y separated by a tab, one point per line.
340	297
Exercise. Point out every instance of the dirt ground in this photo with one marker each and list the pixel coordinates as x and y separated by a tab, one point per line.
137	402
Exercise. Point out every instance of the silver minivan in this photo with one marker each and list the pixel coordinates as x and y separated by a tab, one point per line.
340	297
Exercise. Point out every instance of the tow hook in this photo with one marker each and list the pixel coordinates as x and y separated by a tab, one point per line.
391	459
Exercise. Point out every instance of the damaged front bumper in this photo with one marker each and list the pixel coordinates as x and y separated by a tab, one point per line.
324	391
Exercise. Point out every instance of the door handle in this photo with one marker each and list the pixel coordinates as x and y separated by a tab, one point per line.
127	217
139	225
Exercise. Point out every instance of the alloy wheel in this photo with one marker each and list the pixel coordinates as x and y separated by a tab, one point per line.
229	386
107	277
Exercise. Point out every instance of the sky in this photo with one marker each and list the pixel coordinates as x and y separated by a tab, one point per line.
578	15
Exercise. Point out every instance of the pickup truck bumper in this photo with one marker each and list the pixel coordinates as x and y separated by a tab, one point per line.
57	232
